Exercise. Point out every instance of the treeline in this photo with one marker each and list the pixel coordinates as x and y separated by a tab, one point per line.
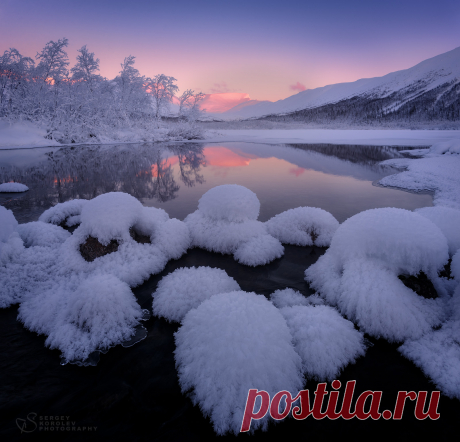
77	103
411	105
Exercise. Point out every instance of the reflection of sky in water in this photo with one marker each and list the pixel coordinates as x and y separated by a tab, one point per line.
174	177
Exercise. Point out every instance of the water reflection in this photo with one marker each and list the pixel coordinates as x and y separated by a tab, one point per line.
336	178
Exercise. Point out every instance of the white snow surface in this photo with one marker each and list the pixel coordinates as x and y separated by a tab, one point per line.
448	220
300	225
289	297
23	134
231	343
232	228
13	187
325	341
186	288
38	233
359	272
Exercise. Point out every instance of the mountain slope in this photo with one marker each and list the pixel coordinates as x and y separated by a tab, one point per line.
436	80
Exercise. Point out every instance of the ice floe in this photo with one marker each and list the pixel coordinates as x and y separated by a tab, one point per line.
359	272
13	188
186	288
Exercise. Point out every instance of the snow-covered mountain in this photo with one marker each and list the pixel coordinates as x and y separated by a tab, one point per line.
433	82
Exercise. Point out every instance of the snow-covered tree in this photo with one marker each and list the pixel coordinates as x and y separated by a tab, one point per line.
189	105
162	89
86	68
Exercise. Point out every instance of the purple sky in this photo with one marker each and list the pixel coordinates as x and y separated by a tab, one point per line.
268	49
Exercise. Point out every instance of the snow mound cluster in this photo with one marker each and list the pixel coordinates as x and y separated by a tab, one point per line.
226	222
231	341
229	344
86	305
13	188
303	226
186	288
359	272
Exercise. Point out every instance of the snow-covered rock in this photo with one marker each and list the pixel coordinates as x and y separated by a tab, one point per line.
290	297
186	288
303	226
226	222
325	341
13	187
67	211
229	344
359	272
448	220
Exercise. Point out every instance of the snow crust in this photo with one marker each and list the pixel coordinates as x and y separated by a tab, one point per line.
226	222
13	187
10	242
359	272
231	343
300	225
186	288
38	233
325	341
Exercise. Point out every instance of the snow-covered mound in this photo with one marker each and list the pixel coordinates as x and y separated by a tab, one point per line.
226	222
10	242
38	233
410	83
303	226
68	211
75	288
290	297
229	344
359	272
186	288
325	341
448	220
99	313
13	187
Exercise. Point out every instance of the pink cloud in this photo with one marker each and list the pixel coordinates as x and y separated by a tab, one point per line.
220	88
297	87
297	171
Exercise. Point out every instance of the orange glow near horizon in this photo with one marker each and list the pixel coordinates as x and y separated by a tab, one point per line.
223	157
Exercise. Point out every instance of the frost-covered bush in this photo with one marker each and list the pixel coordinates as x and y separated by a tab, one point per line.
226	222
186	288
303	226
325	341
13	187
68	211
448	220
290	297
96	314
186	131
359	272
229	344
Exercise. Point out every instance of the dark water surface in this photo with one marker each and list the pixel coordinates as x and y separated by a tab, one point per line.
133	393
